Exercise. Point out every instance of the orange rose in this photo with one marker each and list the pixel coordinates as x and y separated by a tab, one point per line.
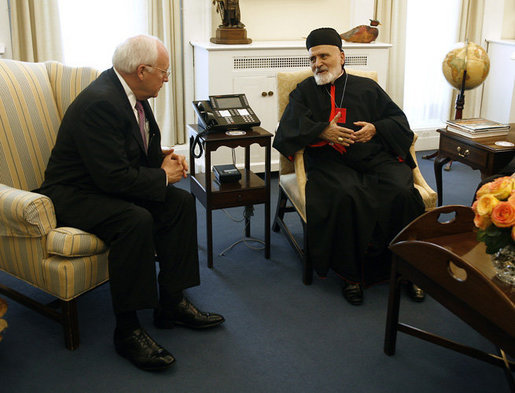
501	187
503	215
485	204
482	222
511	199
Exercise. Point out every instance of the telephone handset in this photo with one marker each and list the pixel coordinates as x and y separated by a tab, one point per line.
225	112
206	119
222	113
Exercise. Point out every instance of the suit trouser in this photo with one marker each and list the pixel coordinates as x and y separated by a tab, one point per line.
136	232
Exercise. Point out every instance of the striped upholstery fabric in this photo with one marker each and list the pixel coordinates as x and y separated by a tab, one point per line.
25	214
72	242
28	123
68	278
64	262
22	258
67	82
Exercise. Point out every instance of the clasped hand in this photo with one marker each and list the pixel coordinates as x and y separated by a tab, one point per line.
174	165
334	133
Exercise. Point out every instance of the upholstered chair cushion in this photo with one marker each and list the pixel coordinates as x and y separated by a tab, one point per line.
73	242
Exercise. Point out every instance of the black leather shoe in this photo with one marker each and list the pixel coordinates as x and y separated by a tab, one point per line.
142	350
353	293
415	293
185	314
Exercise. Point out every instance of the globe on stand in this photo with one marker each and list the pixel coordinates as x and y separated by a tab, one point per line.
465	68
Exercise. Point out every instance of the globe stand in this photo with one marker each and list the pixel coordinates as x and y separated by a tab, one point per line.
460	99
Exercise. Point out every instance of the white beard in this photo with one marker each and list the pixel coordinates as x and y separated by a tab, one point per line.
325	78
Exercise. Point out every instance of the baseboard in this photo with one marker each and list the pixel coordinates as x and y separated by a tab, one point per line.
428	139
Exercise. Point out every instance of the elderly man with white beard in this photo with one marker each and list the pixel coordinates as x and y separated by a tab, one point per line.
359	192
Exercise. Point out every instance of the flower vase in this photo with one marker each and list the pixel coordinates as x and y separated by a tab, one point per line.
504	264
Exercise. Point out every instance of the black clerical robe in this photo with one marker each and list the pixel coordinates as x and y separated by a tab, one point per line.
356	201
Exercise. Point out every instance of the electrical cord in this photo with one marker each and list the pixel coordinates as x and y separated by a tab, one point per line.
247	213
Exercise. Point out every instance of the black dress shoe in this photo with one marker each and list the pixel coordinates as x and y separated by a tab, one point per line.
415	293
142	350
185	314
353	293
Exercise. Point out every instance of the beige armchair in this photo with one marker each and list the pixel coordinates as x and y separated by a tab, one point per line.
292	176
63	262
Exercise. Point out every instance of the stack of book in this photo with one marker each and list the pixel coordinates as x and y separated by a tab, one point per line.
477	127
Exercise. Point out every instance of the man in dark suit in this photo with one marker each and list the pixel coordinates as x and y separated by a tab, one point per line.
108	175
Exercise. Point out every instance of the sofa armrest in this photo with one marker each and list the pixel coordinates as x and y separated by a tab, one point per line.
24	213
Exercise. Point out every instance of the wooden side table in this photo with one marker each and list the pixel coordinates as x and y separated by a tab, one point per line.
478	153
250	190
446	261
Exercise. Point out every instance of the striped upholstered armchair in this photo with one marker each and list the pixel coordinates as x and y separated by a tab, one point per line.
64	262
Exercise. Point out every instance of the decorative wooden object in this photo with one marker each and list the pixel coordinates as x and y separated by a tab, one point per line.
231	31
231	35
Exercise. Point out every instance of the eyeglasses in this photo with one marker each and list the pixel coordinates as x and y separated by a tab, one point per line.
165	73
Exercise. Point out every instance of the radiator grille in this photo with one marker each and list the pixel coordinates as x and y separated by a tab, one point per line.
356	60
270	62
240	63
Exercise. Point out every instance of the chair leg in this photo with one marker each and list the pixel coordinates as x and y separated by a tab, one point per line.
307	267
280	210
307	274
70	323
392	318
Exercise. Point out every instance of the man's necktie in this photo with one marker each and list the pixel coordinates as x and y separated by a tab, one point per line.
141	120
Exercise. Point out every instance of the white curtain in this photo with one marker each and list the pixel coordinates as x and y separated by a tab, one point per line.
392	16
35	30
470	28
165	22
421	33
427	95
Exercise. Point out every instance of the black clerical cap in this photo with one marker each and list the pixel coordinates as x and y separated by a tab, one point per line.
324	36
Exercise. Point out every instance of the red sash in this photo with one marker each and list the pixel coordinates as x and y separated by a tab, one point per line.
339	148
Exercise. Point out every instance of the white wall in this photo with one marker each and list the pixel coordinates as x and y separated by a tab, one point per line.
508	25
267	20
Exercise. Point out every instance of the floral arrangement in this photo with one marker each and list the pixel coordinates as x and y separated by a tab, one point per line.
494	210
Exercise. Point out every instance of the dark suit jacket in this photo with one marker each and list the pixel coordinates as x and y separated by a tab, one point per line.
99	158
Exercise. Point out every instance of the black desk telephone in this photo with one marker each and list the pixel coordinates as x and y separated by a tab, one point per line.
225	112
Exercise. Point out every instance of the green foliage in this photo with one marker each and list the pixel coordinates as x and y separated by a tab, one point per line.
495	238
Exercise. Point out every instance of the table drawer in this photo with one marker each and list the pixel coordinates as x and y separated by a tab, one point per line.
465	153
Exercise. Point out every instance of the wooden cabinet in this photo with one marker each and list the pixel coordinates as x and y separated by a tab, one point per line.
251	69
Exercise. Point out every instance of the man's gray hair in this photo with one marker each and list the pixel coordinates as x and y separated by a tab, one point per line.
141	49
